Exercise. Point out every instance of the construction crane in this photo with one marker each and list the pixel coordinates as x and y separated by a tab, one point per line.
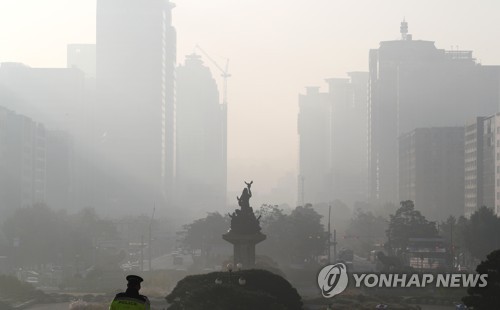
224	72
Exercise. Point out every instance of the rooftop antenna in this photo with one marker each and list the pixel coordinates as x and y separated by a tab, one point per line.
403	29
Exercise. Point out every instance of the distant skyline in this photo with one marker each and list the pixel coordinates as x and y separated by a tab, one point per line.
276	49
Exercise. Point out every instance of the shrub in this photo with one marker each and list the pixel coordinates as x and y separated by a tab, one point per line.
263	290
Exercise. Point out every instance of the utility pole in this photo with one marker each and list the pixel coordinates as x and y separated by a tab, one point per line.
142	252
150	238
329	234
451	248
335	244
302	190
330	243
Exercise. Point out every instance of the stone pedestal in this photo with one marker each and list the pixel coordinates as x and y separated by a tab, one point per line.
244	247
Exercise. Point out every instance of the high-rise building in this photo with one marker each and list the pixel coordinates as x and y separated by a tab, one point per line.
51	96
22	161
349	129
473	184
59	99
431	171
413	84
135	50
314	129
200	138
482	164
60	167
332	129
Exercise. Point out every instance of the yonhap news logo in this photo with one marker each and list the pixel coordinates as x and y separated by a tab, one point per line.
333	280
419	280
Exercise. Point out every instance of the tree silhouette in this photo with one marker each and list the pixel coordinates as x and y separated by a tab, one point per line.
486	297
262	290
204	233
408	223
482	233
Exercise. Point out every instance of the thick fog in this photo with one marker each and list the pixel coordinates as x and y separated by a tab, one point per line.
131	130
320	40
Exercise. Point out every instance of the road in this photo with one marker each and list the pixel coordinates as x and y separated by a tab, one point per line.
59	306
426	307
361	264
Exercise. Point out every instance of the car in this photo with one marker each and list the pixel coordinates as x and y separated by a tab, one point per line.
32	280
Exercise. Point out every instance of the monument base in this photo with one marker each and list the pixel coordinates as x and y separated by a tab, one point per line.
244	247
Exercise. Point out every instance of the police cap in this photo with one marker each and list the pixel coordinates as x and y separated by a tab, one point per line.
133	279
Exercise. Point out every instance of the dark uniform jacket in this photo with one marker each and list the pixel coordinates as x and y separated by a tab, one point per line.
130	300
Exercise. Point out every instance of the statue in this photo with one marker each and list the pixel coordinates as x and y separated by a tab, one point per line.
244	200
243	221
245	232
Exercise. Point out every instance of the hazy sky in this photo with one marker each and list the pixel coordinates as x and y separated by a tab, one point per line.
275	47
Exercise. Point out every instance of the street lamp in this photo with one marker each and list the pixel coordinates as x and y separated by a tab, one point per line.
241	281
230	269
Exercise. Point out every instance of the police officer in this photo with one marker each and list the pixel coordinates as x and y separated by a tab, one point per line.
131	299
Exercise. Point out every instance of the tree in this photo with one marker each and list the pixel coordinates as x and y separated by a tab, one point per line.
12	289
85	231
486	297
308	236
275	224
482	232
297	237
262	290
453	232
269	214
408	223
203	234
38	235
365	230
